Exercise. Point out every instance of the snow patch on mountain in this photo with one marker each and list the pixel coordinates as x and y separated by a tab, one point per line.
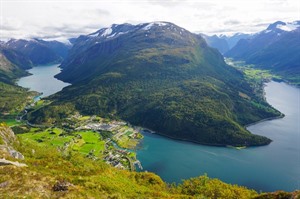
288	26
267	31
107	32
112	35
150	25
122	33
94	34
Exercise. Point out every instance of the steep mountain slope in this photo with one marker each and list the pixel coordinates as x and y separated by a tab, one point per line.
12	97
16	58
18	55
216	42
8	69
7	142
59	48
277	49
39	52
160	76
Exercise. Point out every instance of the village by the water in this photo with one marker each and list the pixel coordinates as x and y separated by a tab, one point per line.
96	137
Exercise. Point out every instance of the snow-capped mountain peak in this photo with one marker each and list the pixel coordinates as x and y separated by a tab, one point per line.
157	23
117	30
112	31
280	26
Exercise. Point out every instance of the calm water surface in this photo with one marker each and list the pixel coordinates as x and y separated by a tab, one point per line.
267	168
42	80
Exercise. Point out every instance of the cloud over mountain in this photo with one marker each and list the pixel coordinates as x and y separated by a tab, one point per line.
72	18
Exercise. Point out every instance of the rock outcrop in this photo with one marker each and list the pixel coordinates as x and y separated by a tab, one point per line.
7	141
4	162
7	136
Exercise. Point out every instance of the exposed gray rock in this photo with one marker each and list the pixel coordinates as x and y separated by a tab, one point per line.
4	184
7	135
61	186
8	139
4	162
16	154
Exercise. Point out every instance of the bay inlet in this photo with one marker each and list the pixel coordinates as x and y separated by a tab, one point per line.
266	168
42	80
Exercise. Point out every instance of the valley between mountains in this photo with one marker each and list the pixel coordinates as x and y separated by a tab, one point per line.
161	77
121	79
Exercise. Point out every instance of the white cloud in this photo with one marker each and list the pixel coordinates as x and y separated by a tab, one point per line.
70	18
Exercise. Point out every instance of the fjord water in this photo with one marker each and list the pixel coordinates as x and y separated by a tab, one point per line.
42	80
265	168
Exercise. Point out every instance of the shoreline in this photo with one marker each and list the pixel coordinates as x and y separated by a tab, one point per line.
199	143
264	81
264	120
216	145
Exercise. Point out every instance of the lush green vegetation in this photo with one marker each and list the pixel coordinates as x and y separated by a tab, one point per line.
8	71
169	82
279	195
83	142
176	92
87	178
254	76
278	52
13	99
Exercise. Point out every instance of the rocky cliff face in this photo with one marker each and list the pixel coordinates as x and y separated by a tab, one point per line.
7	140
7	136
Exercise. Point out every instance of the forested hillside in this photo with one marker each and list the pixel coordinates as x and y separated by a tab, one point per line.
162	77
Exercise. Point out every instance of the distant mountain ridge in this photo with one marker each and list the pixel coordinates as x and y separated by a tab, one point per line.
159	76
276	49
234	39
18	55
39	52
223	42
216	42
12	65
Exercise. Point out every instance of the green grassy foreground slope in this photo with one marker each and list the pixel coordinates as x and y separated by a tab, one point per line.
80	177
52	174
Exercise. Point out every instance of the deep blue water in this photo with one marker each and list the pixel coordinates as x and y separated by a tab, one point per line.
266	168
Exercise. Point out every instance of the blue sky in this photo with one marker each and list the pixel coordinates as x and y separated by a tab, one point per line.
55	19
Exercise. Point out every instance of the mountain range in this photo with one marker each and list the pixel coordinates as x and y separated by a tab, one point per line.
38	51
276	49
162	77
156	75
223	42
12	65
16	56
